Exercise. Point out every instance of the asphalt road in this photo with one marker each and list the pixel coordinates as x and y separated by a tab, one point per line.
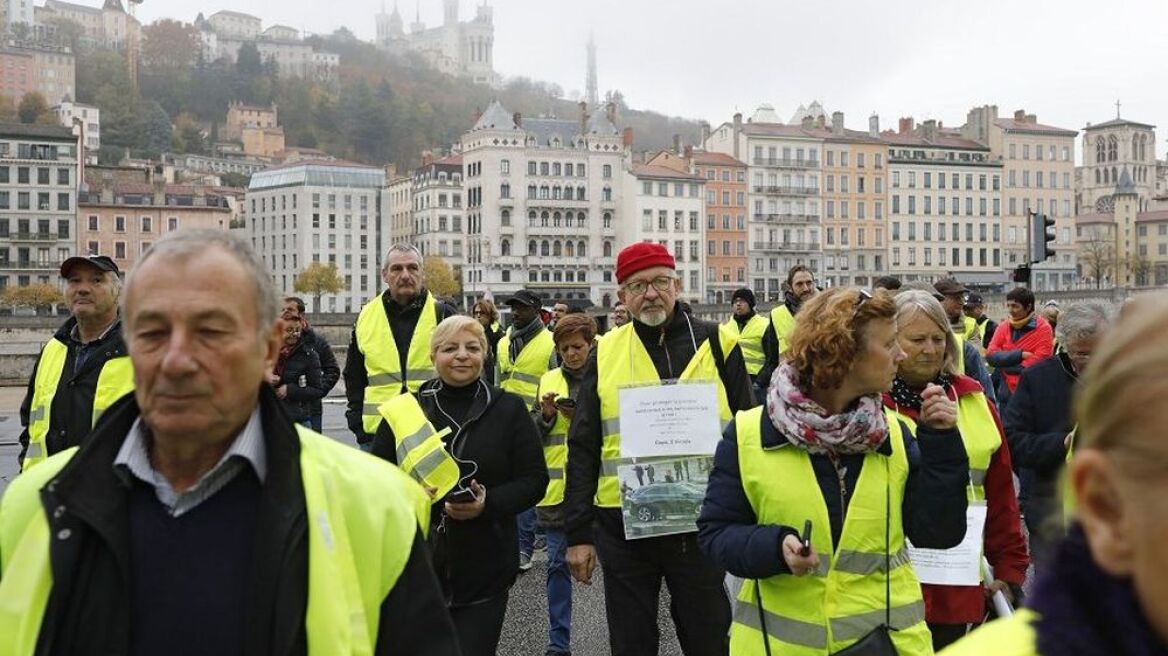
525	629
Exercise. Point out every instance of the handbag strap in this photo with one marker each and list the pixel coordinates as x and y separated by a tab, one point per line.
887	539
766	640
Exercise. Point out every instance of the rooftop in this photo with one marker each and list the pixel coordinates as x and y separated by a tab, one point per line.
319	173
1012	125
236	14
1154	216
715	159
663	172
1117	122
37	131
894	138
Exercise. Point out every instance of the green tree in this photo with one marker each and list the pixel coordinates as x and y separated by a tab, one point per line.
318	279
188	135
248	62
34	108
157	132
440	278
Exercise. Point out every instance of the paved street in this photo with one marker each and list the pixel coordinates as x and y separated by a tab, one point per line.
525	631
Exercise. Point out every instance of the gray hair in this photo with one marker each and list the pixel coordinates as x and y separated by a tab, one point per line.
402	247
188	243
910	303
1084	320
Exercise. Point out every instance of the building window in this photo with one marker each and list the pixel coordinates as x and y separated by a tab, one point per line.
120	250
119	224
93	223
147	224
172	224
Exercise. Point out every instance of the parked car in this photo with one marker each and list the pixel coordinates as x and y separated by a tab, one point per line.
660	500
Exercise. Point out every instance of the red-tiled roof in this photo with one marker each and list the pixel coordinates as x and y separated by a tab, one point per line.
1154	216
650	171
893	138
715	159
452	160
1020	126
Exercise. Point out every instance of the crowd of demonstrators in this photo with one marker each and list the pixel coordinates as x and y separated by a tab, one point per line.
489	435
1039	424
1103	591
750	328
83	369
559	388
485	312
823	450
1022	340
330	370
931	354
661	343
975	309
296	376
197	498
971	363
389	352
800	288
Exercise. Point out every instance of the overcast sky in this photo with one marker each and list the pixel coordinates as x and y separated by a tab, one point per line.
1067	61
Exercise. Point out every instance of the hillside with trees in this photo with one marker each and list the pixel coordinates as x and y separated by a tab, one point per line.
385	108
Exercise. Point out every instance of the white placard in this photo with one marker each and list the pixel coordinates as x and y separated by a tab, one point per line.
960	565
669	420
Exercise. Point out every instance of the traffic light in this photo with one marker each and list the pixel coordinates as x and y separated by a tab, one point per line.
1042	235
1021	274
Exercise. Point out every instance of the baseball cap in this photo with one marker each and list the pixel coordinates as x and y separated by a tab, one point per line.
526	297
949	286
973	299
101	262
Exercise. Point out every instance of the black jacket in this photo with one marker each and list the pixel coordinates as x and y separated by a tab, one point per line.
1037	420
304	379
670	347
71	416
770	342
491	363
933	512
991	327
402	321
330	370
87	611
499	447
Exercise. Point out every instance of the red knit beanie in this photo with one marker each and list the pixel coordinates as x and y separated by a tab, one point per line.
640	256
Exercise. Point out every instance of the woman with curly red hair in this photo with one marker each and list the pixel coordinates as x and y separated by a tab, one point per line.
812	498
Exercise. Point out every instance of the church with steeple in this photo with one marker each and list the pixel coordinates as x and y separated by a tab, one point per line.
460	48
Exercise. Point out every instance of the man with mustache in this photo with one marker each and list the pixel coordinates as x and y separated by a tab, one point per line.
198	518
660	344
83	369
801	288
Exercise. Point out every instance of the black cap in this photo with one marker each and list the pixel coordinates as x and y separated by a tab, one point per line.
526	297
99	261
973	299
744	293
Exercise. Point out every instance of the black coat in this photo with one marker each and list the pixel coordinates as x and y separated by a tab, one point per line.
330	370
304	380
402	322
71	415
479	558
88	607
1037	420
670	347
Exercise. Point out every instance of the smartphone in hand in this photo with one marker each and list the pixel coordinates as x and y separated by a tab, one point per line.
464	495
806	539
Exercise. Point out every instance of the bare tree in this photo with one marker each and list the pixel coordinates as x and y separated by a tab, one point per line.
1097	255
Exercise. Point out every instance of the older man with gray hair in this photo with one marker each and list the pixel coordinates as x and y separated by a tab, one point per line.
1038	420
198	518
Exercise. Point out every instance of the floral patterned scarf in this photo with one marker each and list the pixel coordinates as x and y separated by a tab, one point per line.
859	429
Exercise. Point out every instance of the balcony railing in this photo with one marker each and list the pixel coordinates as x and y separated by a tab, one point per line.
32	236
788	218
787	162
35	264
806	246
786	190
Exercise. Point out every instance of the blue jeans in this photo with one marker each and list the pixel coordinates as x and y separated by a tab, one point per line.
559	592
526	523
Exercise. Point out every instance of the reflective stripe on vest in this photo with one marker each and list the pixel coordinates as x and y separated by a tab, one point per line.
360	510
622	360
750	341
383	360
555	446
827	612
115	381
522	376
979	434
784	323
420	451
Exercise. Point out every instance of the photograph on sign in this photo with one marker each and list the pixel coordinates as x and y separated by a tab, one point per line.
662	496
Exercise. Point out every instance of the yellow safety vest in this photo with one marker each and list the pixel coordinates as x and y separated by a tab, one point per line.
750	341
522	376
1012	636
784	323
979	434
844	600
115	381
555	445
383	360
363	513
420	451
622	360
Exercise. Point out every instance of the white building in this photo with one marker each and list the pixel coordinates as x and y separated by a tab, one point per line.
225	32
83	119
543	204
319	212
19	11
236	24
397	203
438	209
667	206
462	48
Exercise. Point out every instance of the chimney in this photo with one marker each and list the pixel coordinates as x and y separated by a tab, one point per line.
705	133
874	125
689	154
627	138
583	117
808	123
1020	115
906	125
837	123
821	122
518	118
1032	118
737	132
159	192
677	144
610	112
929	130
427	158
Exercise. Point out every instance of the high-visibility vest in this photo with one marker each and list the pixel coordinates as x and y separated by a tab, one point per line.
383	360
115	381
829	609
622	360
555	445
363	513
1012	636
522	376
784	323
968	331
979	434
750	341
420	451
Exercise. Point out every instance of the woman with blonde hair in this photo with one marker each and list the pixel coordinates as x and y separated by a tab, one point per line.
931	351
489	435
1104	592
812	498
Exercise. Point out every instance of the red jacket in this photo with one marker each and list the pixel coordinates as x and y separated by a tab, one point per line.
1005	352
1005	546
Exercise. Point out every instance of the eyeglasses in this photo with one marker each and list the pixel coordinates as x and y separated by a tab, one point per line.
660	283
